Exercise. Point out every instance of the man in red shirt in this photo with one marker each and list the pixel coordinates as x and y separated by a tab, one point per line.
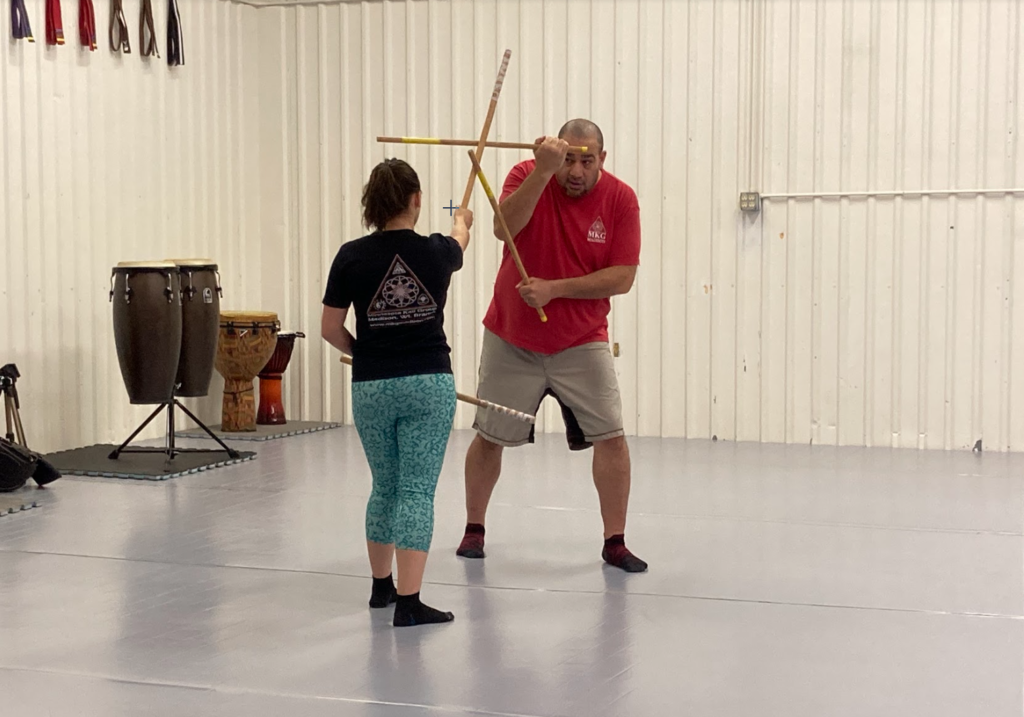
577	229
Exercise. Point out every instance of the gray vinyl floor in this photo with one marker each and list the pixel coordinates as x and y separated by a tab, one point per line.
784	581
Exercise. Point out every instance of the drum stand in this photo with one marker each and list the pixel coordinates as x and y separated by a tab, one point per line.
170	449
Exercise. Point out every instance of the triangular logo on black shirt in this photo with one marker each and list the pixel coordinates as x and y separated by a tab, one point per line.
401	299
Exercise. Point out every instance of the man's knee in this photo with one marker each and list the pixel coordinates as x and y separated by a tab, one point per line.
485	446
615	446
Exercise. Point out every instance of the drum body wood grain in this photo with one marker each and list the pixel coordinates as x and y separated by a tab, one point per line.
246	341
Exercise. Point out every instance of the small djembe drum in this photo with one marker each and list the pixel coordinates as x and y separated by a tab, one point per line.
271	411
246	341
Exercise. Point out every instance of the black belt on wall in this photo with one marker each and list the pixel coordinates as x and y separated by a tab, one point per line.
175	51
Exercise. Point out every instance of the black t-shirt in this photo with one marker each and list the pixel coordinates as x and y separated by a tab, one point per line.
398	281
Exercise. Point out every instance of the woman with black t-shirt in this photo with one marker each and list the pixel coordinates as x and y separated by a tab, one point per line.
403	391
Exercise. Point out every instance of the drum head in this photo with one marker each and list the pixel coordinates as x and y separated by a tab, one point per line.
194	264
247	317
145	266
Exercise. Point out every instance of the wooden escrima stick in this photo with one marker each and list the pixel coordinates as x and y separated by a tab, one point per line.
469	143
518	415
504	227
487	125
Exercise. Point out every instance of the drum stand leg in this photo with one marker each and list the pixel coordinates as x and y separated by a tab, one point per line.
170	450
231	452
123	449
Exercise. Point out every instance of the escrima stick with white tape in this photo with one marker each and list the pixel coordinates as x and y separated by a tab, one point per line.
487	126
518	415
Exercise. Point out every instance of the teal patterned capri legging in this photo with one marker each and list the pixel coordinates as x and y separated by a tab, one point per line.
404	424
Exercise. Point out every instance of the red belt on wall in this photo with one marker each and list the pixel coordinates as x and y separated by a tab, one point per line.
54	23
87	24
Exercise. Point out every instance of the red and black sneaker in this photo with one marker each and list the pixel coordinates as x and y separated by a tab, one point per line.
472	545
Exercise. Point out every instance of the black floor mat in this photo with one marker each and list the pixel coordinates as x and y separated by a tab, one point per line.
262	433
94	461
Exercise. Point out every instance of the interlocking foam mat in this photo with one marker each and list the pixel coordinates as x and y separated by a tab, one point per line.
262	433
95	461
19	500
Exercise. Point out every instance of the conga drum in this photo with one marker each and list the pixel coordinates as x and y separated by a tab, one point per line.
200	322
147	328
246	341
271	411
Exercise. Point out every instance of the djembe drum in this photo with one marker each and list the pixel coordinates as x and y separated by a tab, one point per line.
246	340
147	327
271	411
200	320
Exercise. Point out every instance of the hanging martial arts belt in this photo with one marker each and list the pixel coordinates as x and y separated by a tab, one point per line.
175	50
87	24
149	48
20	28
54	23
119	29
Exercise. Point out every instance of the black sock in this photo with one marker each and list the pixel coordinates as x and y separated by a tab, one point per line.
383	592
474	528
410	611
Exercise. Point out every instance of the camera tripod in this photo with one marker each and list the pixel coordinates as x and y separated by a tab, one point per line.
8	386
44	471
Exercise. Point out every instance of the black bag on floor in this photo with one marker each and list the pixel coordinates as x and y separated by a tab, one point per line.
17	464
45	471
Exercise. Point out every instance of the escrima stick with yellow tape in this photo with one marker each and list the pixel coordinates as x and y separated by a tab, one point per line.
504	227
470	143
518	415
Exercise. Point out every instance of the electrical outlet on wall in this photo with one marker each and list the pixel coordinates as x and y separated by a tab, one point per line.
750	202
615	349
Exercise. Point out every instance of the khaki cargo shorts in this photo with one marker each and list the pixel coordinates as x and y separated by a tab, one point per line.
582	379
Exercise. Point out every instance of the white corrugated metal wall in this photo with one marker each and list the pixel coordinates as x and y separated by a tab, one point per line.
109	158
878	321
891	320
868	321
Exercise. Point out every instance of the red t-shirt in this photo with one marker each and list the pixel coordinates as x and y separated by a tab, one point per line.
565	238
